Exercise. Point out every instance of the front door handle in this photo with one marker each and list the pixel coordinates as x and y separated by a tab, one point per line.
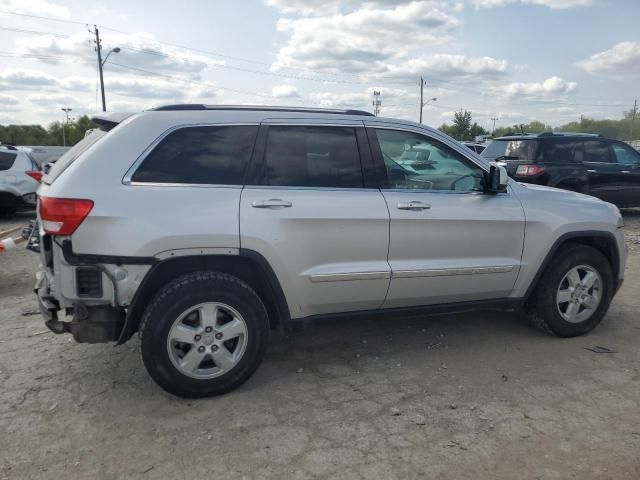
626	171
271	203
591	171
413	205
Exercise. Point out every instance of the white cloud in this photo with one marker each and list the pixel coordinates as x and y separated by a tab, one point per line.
562	110
554	4
621	60
330	7
9	103
23	79
550	86
396	102
38	7
137	50
363	39
445	67
52	99
6	100
285	91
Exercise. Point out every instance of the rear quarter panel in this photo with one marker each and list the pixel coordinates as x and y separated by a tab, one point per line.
145	220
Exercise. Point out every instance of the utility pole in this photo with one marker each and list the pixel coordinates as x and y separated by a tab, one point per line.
421	95
101	62
633	118
376	102
493	130
98	49
66	114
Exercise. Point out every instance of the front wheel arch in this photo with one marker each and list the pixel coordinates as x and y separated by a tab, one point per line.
604	242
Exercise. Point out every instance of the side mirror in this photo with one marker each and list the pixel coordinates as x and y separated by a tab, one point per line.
498	179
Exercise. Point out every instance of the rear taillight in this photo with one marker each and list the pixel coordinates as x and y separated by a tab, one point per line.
62	216
35	174
529	170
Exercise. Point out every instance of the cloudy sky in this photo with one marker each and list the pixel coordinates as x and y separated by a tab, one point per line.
516	60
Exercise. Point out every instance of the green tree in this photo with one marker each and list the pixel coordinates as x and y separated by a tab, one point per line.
462	128
37	135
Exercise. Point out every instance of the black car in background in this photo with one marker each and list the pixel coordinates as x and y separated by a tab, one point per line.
586	163
476	147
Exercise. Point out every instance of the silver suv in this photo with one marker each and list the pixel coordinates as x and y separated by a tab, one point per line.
19	179
203	227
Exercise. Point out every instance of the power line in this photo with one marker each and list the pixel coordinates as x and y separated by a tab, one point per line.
206	52
188	81
369	79
31	55
43	17
248	70
33	32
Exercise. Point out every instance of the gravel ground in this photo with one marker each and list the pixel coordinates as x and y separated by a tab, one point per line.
458	397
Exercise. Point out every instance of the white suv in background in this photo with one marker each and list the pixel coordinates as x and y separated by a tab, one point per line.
19	179
202	227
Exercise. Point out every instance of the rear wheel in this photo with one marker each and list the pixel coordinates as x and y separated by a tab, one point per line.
203	334
574	292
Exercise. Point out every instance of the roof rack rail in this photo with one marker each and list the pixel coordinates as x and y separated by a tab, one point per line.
572	134
200	106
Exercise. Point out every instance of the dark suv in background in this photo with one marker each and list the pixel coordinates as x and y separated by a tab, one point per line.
586	163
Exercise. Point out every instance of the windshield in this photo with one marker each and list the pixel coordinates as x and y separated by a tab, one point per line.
71	155
512	149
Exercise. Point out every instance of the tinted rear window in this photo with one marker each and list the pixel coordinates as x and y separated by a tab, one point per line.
560	150
200	155
6	160
596	151
513	149
312	157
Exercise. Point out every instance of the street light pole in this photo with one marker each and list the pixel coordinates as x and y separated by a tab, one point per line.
101	63
66	114
423	104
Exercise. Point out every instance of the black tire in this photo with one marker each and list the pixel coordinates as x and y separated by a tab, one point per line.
542	308
178	296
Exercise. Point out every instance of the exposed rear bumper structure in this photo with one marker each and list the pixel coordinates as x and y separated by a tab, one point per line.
95	324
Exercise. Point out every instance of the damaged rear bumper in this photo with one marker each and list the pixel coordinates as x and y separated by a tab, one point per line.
89	324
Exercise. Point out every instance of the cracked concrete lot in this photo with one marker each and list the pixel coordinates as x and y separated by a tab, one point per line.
469	396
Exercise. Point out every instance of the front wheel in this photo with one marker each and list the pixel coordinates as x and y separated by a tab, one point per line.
574	292
204	334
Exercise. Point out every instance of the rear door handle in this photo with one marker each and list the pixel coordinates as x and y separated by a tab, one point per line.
271	203
626	171
591	171
413	205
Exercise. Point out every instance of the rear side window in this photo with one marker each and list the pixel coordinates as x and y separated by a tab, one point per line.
312	157
625	155
596	151
6	160
560	150
510	149
200	155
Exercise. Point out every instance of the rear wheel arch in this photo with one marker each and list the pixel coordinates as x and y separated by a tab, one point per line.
250	267
604	242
